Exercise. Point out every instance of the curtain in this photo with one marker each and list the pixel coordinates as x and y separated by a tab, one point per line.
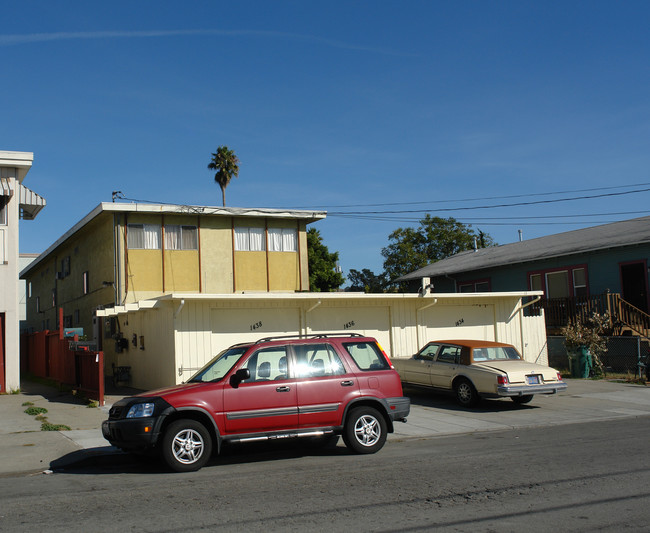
257	239
151	237
289	240
189	238
172	237
275	240
241	239
135	236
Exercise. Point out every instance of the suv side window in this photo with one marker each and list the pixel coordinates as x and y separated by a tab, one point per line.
367	355
316	360
268	364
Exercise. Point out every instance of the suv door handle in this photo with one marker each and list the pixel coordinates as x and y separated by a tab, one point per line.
283	389
347	383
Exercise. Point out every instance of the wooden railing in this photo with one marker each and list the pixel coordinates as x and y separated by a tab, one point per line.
560	311
623	315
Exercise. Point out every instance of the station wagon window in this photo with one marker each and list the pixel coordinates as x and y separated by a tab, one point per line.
449	354
268	364
367	355
143	236
249	239
497	353
428	352
315	360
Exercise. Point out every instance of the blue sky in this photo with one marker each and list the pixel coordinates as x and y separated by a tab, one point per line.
335	105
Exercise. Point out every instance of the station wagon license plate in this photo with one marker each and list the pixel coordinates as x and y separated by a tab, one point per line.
532	380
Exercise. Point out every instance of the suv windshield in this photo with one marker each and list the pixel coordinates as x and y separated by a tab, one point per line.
219	366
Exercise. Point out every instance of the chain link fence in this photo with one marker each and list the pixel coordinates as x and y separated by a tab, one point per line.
622	356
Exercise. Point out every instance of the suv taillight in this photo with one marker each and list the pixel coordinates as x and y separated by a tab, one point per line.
385	355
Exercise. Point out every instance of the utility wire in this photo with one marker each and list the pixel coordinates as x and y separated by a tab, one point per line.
481	198
496	206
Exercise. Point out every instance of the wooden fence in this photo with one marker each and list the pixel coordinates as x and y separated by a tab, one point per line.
47	354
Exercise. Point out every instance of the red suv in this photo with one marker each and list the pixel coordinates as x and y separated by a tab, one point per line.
318	386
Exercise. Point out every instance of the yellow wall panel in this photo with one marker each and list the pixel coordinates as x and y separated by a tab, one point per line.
250	271
283	271
181	270
145	270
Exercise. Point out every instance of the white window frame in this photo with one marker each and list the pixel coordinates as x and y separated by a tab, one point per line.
283	239
181	237
148	238
249	239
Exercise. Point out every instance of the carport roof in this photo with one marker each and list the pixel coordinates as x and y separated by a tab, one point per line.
614	235
312	299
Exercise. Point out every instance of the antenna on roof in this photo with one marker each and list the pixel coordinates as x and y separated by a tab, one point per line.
118	195
521	235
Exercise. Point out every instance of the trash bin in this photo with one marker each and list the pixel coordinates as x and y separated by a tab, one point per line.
580	363
584	362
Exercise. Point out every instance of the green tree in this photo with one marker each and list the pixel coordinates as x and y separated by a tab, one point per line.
323	275
434	239
366	281
226	164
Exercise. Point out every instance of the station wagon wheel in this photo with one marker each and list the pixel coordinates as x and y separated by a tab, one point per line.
365	430
186	446
466	393
522	399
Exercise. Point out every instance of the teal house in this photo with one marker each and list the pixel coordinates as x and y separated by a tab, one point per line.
596	269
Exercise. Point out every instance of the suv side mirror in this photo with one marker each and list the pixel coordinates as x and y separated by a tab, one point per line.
239	376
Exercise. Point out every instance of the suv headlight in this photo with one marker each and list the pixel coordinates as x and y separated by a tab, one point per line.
140	410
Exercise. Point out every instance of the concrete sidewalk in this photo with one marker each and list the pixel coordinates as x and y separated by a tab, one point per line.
24	448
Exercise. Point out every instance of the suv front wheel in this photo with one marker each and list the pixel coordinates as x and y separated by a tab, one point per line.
365	430
186	446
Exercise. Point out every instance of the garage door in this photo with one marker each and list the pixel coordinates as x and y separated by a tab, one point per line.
370	321
232	326
442	322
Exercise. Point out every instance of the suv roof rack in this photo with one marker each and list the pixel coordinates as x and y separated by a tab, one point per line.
308	336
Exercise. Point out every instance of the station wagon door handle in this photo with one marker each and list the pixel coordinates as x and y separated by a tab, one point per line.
347	383
283	389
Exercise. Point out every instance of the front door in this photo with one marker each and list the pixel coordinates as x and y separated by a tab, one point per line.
445	366
267	401
634	284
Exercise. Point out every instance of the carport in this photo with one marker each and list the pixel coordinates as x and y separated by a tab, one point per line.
166	339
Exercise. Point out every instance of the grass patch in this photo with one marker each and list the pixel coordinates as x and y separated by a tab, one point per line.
32	411
46	426
27	404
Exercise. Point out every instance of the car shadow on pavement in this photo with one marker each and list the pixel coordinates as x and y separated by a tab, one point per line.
108	460
441	400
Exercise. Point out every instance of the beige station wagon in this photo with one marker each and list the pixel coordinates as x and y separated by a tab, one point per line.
474	369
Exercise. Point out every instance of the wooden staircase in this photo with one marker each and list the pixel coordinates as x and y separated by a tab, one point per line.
627	319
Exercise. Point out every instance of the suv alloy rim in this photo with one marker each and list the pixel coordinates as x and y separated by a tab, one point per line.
187	446
367	430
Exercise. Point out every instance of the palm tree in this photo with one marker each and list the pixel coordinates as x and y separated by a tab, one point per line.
225	162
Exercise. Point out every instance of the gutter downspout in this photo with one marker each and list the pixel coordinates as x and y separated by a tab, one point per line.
309	311
178	309
521	322
417	323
